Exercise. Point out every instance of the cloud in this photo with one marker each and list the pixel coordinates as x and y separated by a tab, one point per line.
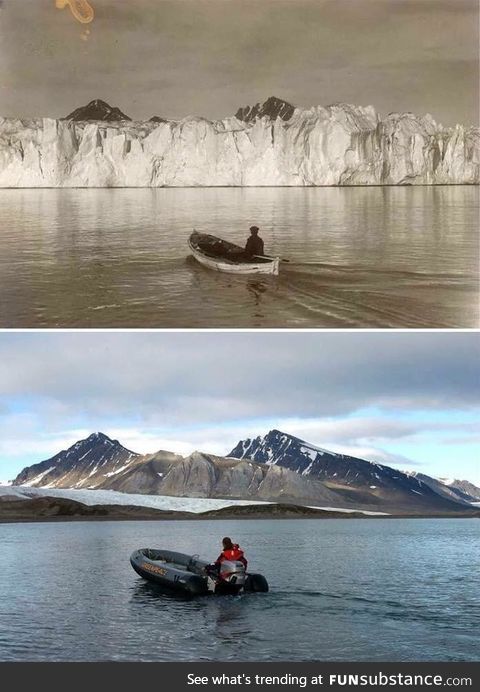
462	440
180	378
348	429
360	393
381	456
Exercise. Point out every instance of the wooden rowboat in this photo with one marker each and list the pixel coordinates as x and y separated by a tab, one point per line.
223	256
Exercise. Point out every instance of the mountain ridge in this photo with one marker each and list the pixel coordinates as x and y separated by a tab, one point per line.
97	110
335	470
272	108
275	468
463	490
94	453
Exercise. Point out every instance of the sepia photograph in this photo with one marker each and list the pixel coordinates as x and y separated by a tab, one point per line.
239	164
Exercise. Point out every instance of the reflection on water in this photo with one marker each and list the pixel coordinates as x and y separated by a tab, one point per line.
146	594
357	257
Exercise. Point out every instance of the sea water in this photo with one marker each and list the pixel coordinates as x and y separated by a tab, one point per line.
358	257
340	589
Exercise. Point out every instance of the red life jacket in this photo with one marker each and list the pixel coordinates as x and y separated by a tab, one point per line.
235	553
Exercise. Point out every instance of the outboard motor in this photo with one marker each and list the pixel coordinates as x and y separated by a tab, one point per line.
233	572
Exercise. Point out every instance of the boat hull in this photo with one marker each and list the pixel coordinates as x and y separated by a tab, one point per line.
170	570
230	266
184	573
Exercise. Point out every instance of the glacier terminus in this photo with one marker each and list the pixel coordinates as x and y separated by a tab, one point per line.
270	144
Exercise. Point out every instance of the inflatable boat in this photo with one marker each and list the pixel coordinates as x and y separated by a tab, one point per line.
188	574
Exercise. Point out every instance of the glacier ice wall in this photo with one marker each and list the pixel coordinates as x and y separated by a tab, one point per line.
336	145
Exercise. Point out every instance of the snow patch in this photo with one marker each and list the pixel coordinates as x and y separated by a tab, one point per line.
114	473
312	453
308	469
38	478
350	511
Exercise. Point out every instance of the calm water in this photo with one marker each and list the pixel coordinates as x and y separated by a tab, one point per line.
360	257
340	590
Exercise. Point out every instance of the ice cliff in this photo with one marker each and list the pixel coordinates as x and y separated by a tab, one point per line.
269	144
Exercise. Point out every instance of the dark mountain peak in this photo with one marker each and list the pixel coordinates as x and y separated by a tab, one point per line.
93	440
98	440
95	454
98	103
100	437
97	110
157	119
272	108
275	102
352	475
273	448
276	435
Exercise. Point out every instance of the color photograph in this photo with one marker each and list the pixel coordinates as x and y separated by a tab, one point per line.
220	500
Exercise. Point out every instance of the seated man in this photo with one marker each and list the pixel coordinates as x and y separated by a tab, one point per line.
227	581
231	551
254	244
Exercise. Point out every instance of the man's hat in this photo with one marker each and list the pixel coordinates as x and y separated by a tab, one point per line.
254	228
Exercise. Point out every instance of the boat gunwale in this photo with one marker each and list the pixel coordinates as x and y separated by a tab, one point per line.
264	265
171	563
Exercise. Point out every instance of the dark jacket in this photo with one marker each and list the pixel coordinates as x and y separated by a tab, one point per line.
254	246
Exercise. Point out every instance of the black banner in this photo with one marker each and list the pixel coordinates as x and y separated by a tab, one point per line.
264	677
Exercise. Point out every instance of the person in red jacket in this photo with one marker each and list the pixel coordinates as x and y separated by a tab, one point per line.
228	582
231	551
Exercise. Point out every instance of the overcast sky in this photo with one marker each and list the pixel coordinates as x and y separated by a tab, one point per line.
406	399
208	57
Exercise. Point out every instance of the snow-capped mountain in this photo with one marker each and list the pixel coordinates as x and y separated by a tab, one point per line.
275	468
268	144
97	110
86	464
462	491
339	472
101	463
463	487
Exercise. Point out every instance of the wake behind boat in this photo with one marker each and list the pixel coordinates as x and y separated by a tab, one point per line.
224	256
190	575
